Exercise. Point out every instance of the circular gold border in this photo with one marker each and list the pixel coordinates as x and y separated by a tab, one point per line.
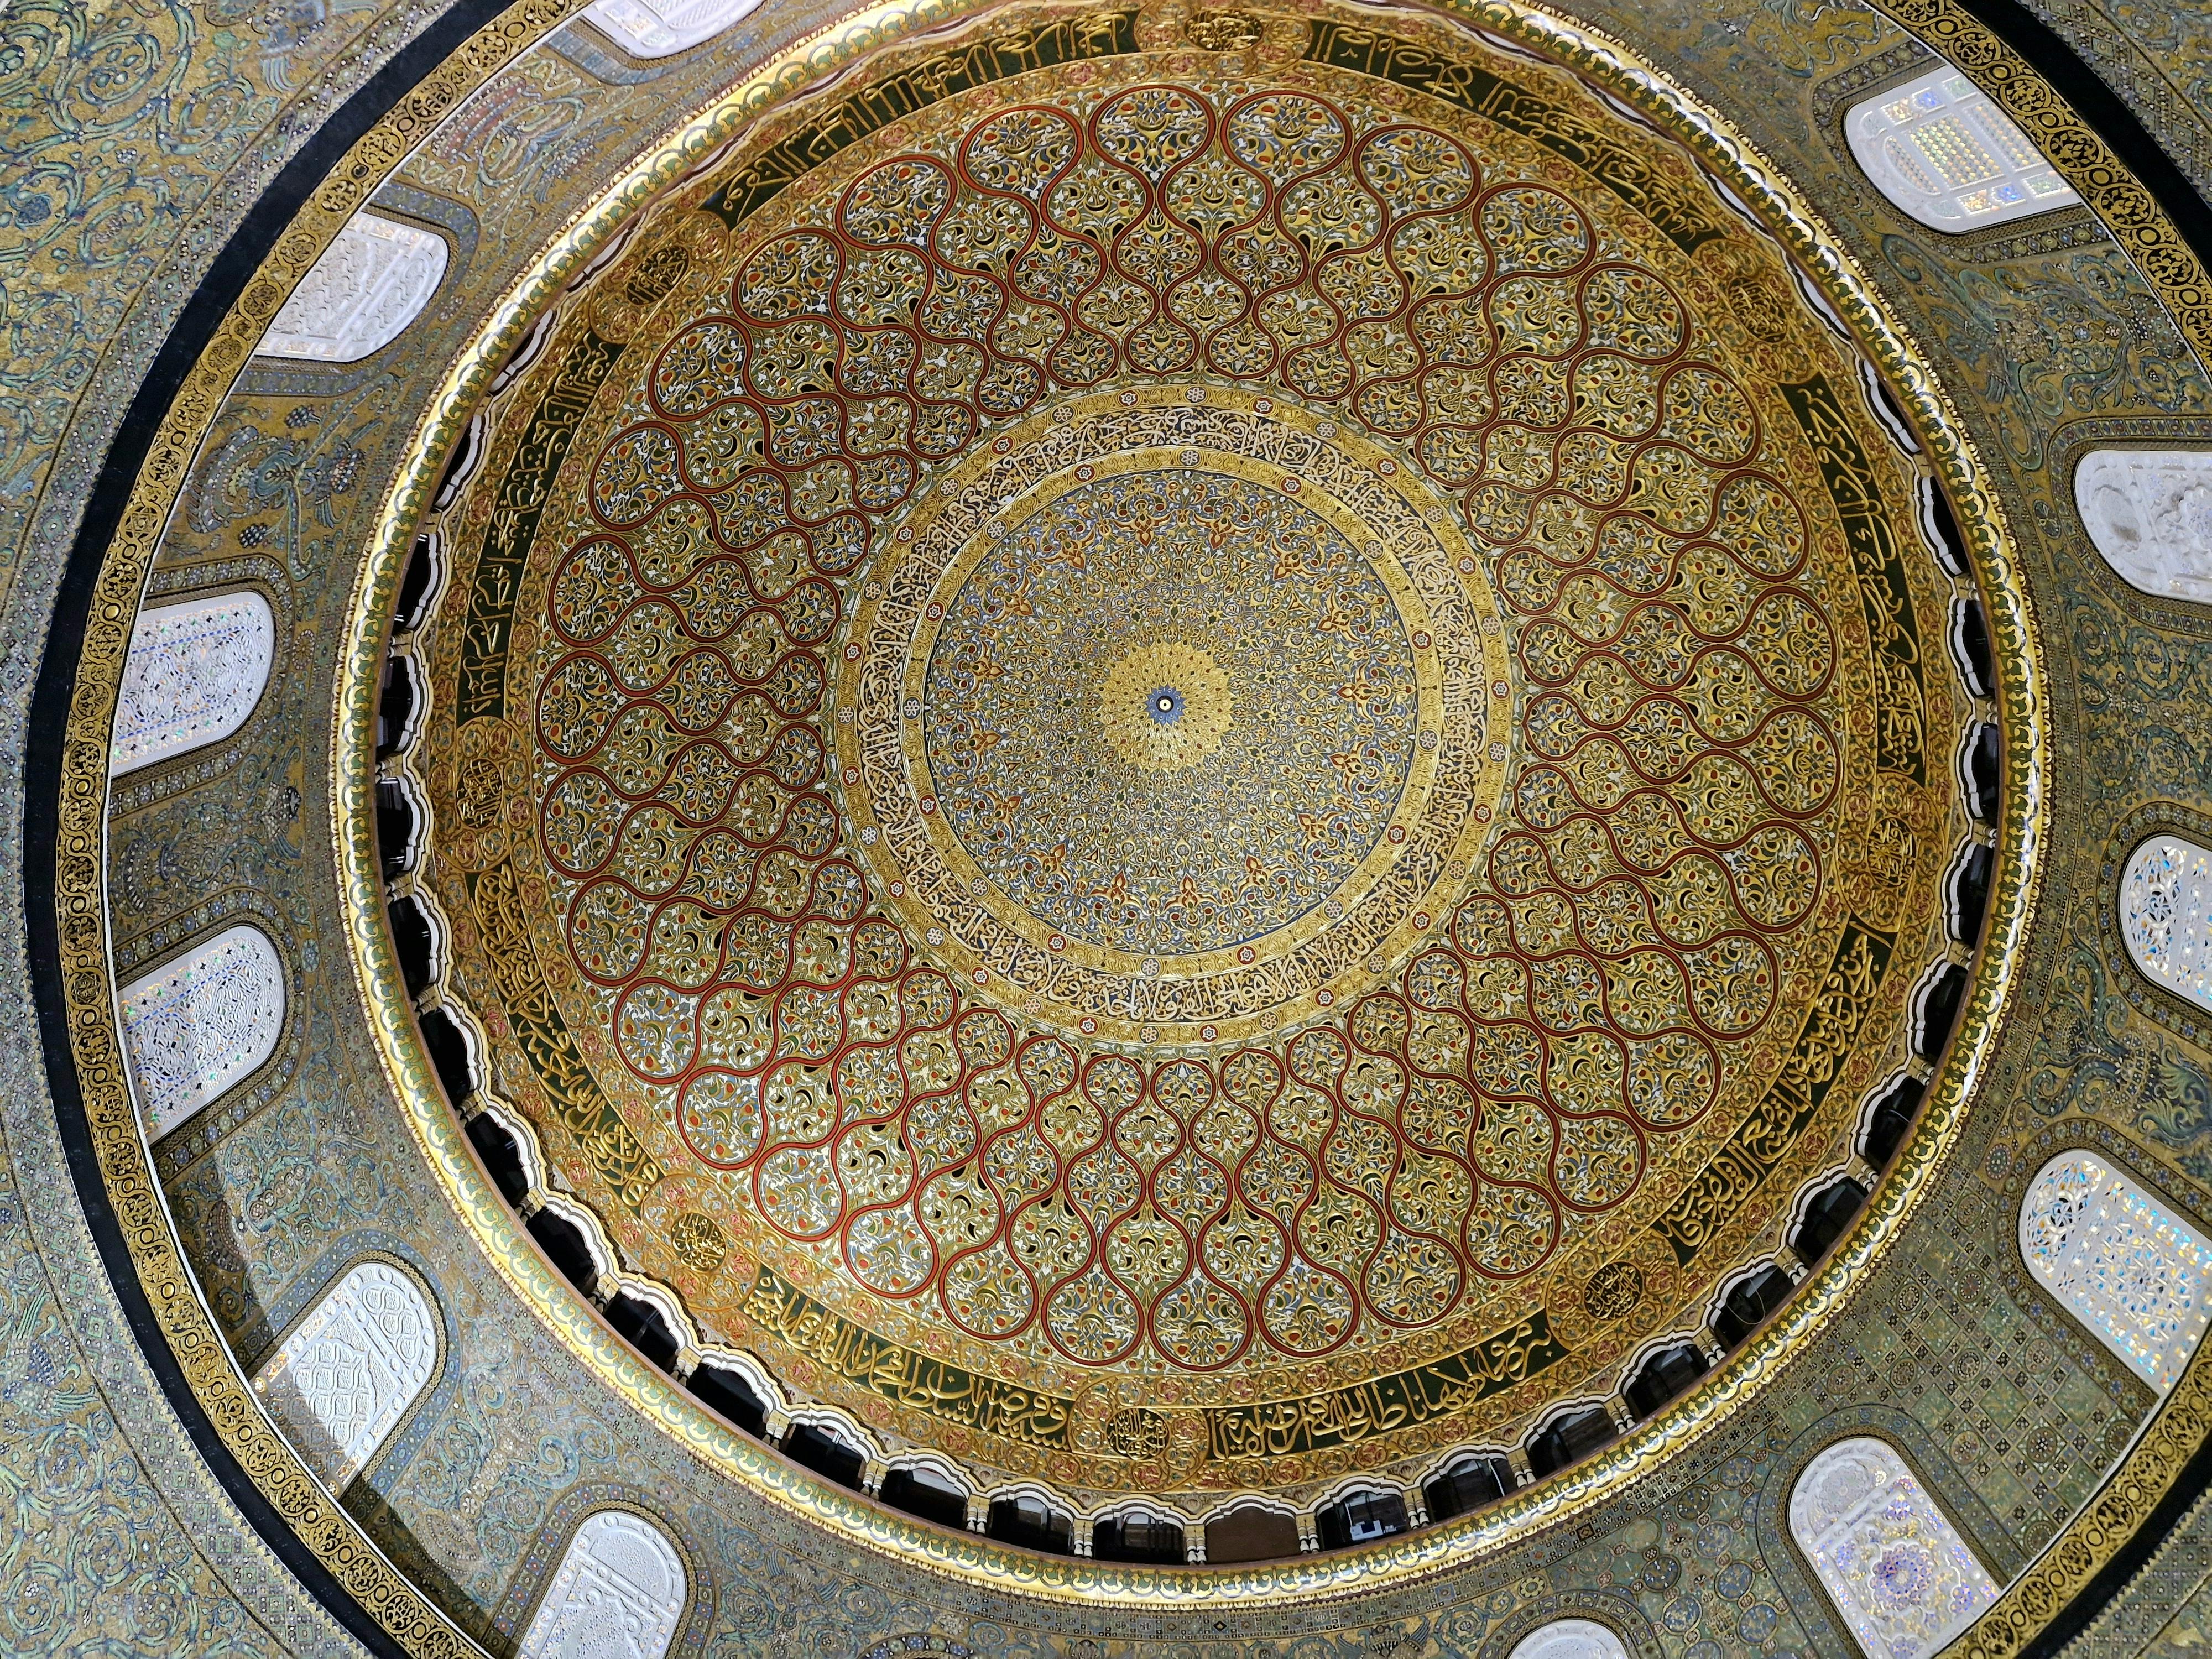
1405	1557
882	655
2094	1535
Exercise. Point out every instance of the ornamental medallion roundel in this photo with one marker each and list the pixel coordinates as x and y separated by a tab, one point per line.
1169	715
1198	768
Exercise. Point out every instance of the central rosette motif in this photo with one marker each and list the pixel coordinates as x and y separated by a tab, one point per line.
1168	715
1146	710
1170	712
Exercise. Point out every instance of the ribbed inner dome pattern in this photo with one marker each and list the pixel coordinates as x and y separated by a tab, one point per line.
1211	969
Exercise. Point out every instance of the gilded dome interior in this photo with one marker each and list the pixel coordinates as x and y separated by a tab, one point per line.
1191	782
983	828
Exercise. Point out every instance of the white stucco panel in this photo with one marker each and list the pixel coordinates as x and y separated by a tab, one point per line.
341	1382
362	294
617	1594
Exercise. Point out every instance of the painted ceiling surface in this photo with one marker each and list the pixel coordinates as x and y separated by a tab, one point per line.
1211	765
1104	1261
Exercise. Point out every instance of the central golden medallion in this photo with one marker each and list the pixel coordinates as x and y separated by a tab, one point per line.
1165	706
1168	715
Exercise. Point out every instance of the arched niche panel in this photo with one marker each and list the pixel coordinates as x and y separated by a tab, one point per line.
661	28
1570	1639
2133	1273
617	1594
2165	915
194	673
2148	513
1896	1569
197	1026
371	282
342	1380
1949	158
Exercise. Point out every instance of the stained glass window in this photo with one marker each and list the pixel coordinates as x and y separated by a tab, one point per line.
1900	1573
2122	1263
2166	914
1947	157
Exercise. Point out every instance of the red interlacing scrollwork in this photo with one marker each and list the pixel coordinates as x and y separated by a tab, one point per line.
1679	742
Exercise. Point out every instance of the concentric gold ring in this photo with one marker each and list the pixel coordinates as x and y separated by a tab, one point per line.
1354	932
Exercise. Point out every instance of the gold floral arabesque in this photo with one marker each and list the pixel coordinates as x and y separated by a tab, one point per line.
1690	1417
1424	844
2081	1548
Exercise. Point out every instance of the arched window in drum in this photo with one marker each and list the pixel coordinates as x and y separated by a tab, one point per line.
1570	1639
2165	915
2148	511
370	284
661	28
341	1382
617	1594
1896	1569
194	673
199	1025
2122	1263
1950	158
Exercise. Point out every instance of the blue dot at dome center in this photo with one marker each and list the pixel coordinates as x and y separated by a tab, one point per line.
1164	705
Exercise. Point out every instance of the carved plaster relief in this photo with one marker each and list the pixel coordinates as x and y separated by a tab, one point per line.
1570	1639
1949	157
2150	513
661	28
2124	1265
369	285
199	1024
340	1383
1901	1576
617	1594
195	672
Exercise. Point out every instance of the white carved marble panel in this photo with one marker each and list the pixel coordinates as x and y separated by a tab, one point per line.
371	282
2165	915
2122	1263
2148	511
1570	1639
617	1594
195	672
661	28
1900	1573
1950	158
341	1382
197	1026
